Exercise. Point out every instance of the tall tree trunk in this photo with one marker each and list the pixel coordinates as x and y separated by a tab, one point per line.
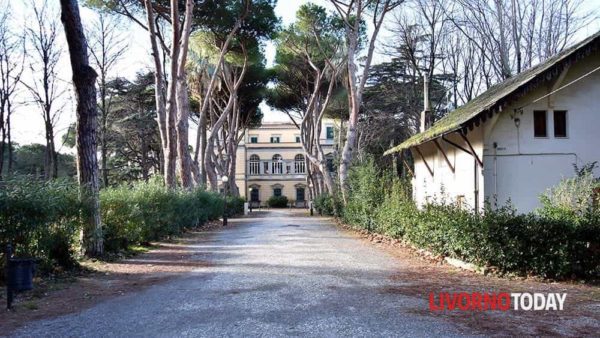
354	101
104	154
171	150
54	156
144	164
84	80
104	130
352	19
346	156
50	162
183	106
183	152
2	144
202	149
9	141
159	88
9	136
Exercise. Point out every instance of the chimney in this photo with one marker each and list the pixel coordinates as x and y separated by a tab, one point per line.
426	113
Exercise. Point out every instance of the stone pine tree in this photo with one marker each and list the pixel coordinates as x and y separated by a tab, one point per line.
353	13
84	80
309	60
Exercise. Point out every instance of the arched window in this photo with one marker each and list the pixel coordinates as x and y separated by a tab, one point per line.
299	164
277	164
254	164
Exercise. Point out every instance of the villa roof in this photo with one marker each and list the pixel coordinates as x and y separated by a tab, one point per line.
500	95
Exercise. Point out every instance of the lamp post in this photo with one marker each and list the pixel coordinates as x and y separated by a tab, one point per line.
310	187
224	179
250	199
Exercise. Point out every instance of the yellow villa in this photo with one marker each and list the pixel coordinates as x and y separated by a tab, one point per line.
271	162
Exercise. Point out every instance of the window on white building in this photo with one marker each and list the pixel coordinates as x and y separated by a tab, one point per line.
560	123
254	165
299	164
540	123
277	164
253	138
329	132
275	138
254	195
300	195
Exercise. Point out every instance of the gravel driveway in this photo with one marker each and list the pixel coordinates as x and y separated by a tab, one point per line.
276	275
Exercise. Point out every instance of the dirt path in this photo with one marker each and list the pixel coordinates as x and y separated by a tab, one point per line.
100	281
284	274
421	276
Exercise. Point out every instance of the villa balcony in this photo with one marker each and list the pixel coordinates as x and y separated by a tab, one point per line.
284	169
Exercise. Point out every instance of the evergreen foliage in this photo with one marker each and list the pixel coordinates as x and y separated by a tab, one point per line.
560	240
43	219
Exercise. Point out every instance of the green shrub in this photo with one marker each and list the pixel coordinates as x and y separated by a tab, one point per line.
572	199
560	240
397	211
147	211
365	194
324	204
41	220
277	202
235	205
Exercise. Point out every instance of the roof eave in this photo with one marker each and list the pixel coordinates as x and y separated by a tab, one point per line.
414	143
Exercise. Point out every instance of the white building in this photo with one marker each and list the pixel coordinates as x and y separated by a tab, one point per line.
517	139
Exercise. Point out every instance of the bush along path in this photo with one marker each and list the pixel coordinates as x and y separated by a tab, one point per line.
44	219
561	240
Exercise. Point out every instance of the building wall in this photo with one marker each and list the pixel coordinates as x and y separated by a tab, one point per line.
445	184
520	167
265	188
517	166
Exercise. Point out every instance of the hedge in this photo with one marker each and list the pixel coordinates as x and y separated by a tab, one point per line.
146	212
40	219
43	219
277	202
550	243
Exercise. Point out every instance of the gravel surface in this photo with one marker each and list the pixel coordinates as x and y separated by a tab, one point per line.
276	275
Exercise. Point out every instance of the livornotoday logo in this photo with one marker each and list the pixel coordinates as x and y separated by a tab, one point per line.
502	301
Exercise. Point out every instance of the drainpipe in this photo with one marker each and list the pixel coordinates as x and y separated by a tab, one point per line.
426	113
495	175
476	184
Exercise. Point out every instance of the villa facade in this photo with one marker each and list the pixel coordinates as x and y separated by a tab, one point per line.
271	162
